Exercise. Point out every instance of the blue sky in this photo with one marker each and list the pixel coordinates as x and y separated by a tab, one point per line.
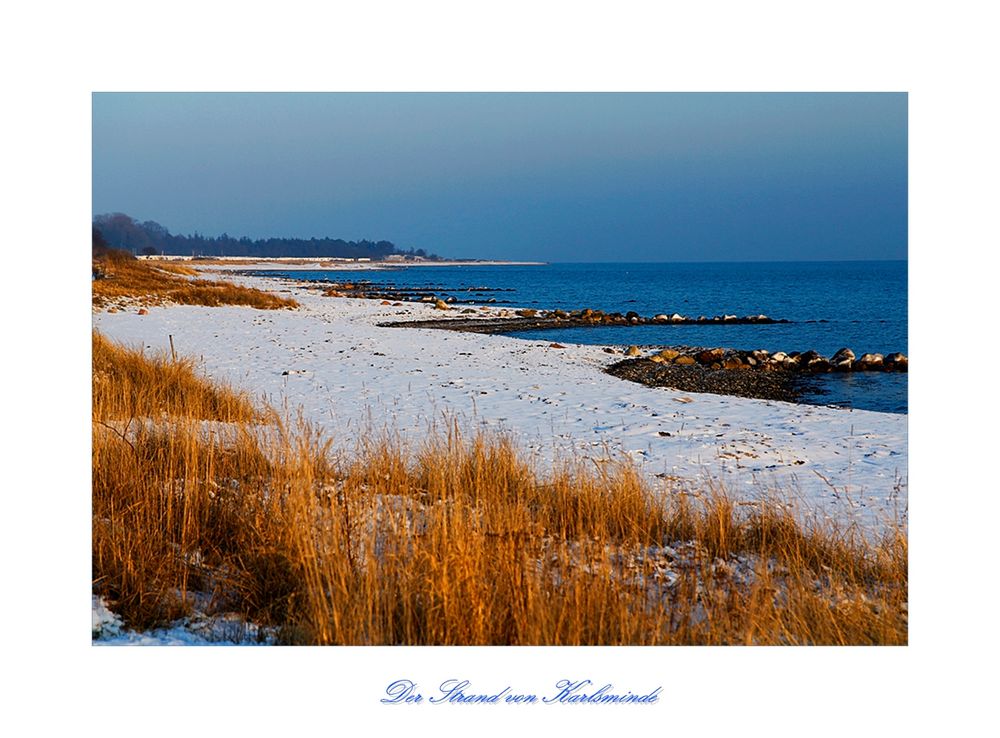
550	176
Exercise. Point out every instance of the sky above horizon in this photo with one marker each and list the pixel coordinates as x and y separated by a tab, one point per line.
537	176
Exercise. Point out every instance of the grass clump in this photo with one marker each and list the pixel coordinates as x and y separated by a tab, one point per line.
119	278
462	542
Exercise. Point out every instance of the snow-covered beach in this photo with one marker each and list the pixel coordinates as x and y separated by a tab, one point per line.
330	360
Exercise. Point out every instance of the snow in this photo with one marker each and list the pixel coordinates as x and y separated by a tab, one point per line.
331	360
196	630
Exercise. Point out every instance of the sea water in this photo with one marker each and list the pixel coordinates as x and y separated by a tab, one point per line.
860	305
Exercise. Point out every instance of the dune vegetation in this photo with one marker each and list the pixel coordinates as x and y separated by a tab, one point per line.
120	281
203	499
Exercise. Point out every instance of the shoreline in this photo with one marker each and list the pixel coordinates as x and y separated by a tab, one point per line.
306	264
331	359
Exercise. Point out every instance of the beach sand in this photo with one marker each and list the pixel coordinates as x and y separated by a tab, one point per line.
346	374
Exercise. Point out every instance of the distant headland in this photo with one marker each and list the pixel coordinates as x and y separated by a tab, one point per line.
150	239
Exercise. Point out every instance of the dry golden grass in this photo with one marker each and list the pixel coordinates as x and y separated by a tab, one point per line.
459	543
151	283
132	384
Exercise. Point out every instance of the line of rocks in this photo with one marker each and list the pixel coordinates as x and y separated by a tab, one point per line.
807	362
529	319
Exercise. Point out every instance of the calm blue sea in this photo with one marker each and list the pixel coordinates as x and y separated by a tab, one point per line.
860	305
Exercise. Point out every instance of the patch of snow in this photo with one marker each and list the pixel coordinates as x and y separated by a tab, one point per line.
196	630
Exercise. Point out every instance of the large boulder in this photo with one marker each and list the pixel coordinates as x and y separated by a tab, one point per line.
844	354
684	360
632	351
669	354
817	365
869	362
527	313
710	356
897	362
441	305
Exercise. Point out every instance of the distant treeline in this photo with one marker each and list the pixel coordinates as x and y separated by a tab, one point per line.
151	238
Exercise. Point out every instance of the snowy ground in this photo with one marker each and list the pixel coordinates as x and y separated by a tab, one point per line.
331	360
197	630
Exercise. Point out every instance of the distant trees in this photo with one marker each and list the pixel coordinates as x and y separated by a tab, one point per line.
121	231
100	245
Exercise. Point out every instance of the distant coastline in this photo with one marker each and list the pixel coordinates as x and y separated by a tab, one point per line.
303	263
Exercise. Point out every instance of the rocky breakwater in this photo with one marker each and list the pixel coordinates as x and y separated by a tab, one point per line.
758	374
809	362
529	319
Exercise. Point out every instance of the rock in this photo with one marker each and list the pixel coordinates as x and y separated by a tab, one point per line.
779	356
143	311
805	358
710	356
669	354
632	351
897	362
732	362
527	313
556	346
609	350
729	318
427	298
450	299
631	315
685	360
467	311
817	365
842	355
385	302
657	359
677	318
560	314
441	305
661	318
760	355
397	304
749	361
333	293
844	365
868	362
